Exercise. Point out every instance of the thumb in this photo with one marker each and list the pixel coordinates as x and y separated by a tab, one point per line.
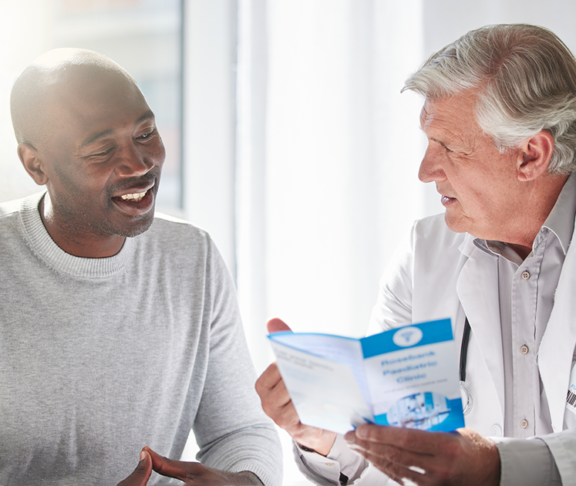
141	474
277	325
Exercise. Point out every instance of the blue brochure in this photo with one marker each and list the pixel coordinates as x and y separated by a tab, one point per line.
406	377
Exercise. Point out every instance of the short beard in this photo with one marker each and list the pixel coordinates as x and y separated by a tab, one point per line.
78	223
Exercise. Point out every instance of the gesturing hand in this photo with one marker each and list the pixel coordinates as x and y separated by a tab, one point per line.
277	404
190	473
141	474
429	458
194	473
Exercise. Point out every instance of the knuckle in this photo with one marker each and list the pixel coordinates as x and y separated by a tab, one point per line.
292	425
259	386
405	442
394	455
388	468
267	409
443	476
452	450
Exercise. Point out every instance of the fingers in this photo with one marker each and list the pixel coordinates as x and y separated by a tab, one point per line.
277	325
397	472
268	380
277	404
275	398
174	469
141	474
396	463
393	458
428	457
419	441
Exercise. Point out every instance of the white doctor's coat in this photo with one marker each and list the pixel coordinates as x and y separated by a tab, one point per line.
444	274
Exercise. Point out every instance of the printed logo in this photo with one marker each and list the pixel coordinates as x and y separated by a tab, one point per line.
407	336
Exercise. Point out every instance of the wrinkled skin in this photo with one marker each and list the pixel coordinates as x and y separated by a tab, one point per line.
429	458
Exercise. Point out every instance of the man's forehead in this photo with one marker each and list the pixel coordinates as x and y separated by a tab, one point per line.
454	111
66	82
452	122
88	112
97	92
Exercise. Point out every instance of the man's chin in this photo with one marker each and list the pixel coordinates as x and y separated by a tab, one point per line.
137	227
455	223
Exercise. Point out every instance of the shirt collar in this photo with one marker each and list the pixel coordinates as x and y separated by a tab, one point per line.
560	221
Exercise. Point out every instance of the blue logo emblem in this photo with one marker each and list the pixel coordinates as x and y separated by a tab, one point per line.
407	336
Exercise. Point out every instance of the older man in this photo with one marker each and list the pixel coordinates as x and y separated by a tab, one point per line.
500	118
118	329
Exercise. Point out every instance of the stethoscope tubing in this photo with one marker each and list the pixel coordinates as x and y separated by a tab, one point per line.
467	402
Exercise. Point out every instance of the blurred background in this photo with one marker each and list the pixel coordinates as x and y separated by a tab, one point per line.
287	137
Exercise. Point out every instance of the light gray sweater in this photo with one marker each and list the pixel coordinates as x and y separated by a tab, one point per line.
100	357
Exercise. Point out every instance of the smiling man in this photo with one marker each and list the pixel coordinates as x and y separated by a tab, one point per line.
119	329
500	118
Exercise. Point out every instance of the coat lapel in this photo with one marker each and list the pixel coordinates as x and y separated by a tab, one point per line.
557	346
477	289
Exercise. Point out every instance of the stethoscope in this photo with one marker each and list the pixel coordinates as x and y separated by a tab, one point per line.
466	397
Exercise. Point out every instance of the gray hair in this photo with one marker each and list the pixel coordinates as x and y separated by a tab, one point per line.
526	81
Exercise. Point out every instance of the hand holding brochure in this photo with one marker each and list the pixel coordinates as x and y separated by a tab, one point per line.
406	377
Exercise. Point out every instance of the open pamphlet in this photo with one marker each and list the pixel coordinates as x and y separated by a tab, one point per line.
405	377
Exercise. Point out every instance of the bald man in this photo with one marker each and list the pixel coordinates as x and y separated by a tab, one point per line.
119	328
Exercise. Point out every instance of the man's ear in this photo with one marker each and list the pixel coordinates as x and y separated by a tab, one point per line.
31	161
534	156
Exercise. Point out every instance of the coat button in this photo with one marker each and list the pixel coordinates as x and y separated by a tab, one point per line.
496	431
525	275
524	349
524	423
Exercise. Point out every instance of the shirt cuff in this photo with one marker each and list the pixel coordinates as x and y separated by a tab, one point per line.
340	459
319	469
526	461
350	463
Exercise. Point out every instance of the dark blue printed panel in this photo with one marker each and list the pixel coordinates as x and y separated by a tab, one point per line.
382	343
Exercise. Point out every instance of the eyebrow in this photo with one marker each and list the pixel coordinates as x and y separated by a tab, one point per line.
432	138
92	138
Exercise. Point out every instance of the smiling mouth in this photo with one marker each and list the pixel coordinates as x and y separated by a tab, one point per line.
136	197
136	203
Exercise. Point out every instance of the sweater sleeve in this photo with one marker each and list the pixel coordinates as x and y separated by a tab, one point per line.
231	429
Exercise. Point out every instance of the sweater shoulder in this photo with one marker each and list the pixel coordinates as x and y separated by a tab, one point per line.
11	211
10	208
167	227
176	237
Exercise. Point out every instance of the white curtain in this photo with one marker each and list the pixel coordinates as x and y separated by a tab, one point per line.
328	152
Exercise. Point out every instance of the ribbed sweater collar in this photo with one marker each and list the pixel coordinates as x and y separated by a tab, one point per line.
45	248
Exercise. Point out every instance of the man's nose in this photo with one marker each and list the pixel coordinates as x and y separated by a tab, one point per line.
430	168
133	162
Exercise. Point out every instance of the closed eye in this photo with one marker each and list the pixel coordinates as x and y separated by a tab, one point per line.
442	145
102	154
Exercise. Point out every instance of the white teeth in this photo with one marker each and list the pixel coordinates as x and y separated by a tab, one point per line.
134	197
